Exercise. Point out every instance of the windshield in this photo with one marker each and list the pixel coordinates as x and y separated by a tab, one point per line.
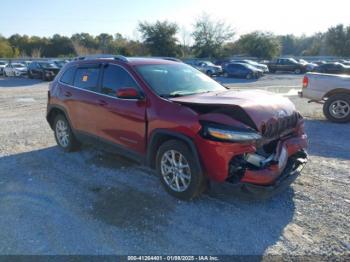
2	63
172	80
47	65
250	66
293	60
252	62
209	63
16	65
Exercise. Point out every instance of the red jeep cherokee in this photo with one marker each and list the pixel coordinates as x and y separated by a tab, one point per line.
180	122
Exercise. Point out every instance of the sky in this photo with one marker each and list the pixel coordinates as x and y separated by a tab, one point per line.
66	17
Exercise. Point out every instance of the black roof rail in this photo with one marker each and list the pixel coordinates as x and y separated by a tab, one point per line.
103	56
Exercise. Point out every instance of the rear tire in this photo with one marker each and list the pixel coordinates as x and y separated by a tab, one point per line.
337	108
63	134
209	73
179	171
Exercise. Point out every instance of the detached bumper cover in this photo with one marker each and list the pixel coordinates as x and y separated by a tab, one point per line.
292	170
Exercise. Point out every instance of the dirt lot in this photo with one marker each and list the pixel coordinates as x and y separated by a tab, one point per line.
93	203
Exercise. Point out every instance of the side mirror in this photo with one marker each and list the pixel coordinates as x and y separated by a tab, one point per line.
128	93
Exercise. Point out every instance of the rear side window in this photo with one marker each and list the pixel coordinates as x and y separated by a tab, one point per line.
68	76
114	78
87	78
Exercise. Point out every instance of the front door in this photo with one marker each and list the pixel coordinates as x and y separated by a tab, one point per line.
122	121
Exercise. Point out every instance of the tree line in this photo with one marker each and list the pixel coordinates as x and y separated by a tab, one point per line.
209	39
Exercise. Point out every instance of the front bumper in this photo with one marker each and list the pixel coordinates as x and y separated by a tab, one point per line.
293	169
217	160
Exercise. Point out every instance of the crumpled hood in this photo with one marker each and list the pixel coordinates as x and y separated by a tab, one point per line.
260	106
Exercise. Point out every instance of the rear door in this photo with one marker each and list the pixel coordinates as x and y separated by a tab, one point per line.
81	98
122	121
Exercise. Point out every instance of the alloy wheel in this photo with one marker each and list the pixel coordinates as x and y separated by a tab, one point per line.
339	109
175	170
62	133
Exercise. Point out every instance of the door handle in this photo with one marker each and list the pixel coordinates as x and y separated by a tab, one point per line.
68	94
102	103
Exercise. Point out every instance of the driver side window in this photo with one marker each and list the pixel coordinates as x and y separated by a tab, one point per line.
115	78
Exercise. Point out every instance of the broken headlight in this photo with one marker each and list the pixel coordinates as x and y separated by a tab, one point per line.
229	134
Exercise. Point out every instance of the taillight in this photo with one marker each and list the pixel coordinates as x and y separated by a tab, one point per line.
305	82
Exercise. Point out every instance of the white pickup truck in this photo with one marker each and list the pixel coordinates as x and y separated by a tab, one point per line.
333	91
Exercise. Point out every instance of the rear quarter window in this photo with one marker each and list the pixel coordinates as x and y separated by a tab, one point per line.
68	76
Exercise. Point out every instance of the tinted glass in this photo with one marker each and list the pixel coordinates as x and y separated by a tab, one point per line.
68	76
87	78
169	80
114	78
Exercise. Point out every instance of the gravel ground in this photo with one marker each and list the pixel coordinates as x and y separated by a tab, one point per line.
90	202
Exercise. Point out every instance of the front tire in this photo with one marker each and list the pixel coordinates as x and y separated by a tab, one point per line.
297	71
63	134
209	73
337	108
178	170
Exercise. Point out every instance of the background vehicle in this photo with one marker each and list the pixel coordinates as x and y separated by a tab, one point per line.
15	69
287	65
262	67
242	70
43	70
333	68
129	104
59	63
344	62
207	67
331	90
2	66
309	66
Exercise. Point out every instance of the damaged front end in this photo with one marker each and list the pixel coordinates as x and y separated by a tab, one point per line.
258	160
252	143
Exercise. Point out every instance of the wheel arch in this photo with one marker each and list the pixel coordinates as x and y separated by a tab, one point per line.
337	91
53	111
158	137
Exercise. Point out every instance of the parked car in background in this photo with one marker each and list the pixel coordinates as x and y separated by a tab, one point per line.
206	67
59	63
262	67
287	65
15	69
2	67
331	90
43	70
344	62
253	140
309	65
242	70
222	62
333	68
319	62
